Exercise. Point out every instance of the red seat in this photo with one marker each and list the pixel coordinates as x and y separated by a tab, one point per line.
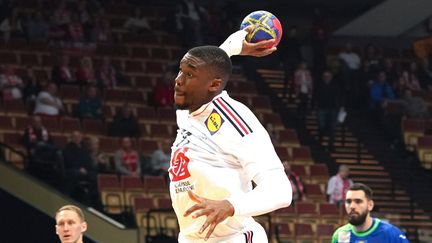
108	144
22	123
307	212
52	124
289	137
111	193
140	52
143	204
164	203
8	58
160	53
144	82
281	231
70	124
70	92
92	126
16	108
167	115
147	114
282	152
147	146
29	59
329	213
261	103
155	185
314	191
303	230
302	154
300	170
413	125
154	67
159	131
133	66
325	231
12	139
6	123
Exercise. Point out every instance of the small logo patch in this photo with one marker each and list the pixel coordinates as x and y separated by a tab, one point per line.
344	237
214	122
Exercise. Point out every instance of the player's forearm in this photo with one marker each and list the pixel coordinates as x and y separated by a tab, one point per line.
234	43
273	191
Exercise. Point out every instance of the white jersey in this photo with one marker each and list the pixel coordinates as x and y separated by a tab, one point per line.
219	149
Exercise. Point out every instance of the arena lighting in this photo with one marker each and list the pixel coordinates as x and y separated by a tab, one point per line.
106	218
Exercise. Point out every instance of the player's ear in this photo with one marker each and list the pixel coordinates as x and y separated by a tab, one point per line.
371	204
215	85
83	227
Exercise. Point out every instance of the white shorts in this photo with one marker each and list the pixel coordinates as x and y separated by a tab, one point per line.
253	233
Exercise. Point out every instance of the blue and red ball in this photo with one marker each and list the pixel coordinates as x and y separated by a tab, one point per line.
266	27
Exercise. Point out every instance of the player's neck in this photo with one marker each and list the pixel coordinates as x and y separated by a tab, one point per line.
367	224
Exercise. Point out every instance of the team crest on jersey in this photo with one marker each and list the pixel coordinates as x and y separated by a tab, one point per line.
344	237
179	165
214	122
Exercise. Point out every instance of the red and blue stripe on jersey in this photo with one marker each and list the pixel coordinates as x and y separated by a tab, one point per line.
232	116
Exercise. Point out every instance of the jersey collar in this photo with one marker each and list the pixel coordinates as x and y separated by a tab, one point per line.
375	224
204	107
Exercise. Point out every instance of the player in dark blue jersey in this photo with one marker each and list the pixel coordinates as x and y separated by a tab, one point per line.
362	228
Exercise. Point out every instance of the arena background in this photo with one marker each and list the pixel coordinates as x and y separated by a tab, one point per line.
132	65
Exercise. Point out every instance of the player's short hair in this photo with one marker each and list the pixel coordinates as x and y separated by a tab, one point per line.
216	58
362	187
73	208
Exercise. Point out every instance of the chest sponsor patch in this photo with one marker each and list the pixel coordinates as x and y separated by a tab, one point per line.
214	122
344	237
179	165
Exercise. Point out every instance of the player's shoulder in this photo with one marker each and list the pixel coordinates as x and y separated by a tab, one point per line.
237	115
392	231
342	233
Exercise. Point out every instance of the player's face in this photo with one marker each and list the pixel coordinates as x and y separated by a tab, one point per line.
69	227
194	84
358	207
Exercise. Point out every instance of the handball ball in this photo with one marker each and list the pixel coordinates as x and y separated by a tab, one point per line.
267	27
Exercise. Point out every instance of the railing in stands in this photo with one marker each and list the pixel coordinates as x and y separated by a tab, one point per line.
5	148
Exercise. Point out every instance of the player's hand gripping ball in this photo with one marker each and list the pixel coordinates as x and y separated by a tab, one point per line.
266	27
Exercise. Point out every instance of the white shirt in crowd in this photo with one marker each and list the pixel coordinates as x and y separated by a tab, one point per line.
351	59
42	108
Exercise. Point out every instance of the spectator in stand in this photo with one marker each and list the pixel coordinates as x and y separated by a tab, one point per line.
62	72
391	72
85	19
37	27
164	91
85	74
137	23
425	75
290	53
10	84
196	17
303	86
107	75
328	105
407	81
76	31
298	190
61	17
32	86
48	103
127	160
124	124
38	142
380	91
100	160
102	31
414	107
351	64
90	106
11	26
338	186
160	159
373	59
80	176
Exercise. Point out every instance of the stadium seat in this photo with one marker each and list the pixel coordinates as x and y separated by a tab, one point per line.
160	131
154	67
289	137
300	170
412	129
147	146
22	123
93	126
324	232
302	155
329	213
111	193
318	173
141	209
144	83
282	233
29	59
156	186
424	151
160	53
6	124
261	103
274	119
132	187
70	93
70	124
282	152
8	58
140	52
304	233
314	192
108	144
133	66
166	115
306	212
285	215
52	124
16	108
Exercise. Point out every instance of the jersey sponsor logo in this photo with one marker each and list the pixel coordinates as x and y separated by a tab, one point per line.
361	241
179	165
214	122
232	116
344	237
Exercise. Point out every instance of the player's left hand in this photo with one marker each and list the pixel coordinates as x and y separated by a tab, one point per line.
258	49
215	210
